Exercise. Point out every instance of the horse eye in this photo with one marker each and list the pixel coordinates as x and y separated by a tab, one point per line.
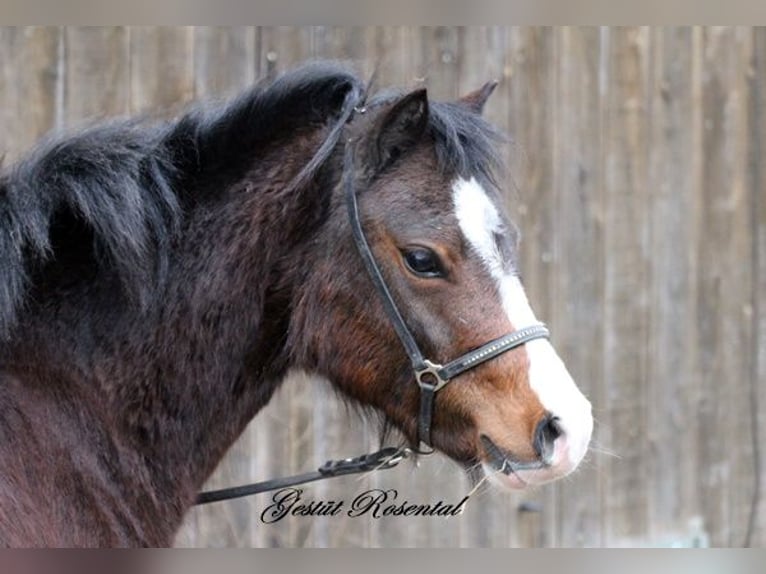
423	262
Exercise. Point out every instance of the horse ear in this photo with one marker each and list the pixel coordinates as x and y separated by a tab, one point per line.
401	127
476	100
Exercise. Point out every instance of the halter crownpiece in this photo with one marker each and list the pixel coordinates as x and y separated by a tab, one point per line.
431	377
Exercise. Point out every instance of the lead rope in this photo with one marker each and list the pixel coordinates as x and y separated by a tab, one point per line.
383	459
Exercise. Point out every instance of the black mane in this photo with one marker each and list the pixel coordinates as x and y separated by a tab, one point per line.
117	192
126	183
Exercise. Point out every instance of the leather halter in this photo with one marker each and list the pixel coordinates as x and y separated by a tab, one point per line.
430	376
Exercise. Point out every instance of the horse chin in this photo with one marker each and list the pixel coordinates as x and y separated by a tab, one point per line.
509	477
503	470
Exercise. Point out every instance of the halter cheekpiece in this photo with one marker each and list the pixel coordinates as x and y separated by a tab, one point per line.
430	376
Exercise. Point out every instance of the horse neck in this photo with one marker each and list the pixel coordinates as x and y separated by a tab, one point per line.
180	382
224	327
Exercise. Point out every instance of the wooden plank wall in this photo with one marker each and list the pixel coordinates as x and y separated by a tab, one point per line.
637	177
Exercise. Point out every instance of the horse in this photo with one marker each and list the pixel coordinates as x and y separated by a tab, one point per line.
161	276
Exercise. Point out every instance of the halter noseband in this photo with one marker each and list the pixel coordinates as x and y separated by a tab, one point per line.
430	376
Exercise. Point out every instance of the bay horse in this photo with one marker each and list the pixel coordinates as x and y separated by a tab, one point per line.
160	278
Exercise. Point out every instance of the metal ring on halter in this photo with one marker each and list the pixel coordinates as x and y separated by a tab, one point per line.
431	369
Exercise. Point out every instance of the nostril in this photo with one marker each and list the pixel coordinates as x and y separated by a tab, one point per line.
546	433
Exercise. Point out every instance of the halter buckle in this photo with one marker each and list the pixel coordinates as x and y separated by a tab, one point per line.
431	371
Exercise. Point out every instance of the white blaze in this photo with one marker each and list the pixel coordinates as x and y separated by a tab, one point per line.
479	220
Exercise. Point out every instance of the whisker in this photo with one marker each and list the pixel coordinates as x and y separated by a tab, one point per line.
599	449
478	485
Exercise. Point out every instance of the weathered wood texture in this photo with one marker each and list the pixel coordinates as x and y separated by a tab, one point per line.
637	177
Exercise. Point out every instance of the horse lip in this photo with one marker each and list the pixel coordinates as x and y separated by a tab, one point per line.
503	461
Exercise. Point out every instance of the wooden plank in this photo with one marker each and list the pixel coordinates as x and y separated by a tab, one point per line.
388	55
736	316
97	73
282	47
711	446
724	280
482	57
574	260
756	532
161	68
438	53
31	84
625	291
269	458
338	432
301	445
349	44
673	180
224	59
